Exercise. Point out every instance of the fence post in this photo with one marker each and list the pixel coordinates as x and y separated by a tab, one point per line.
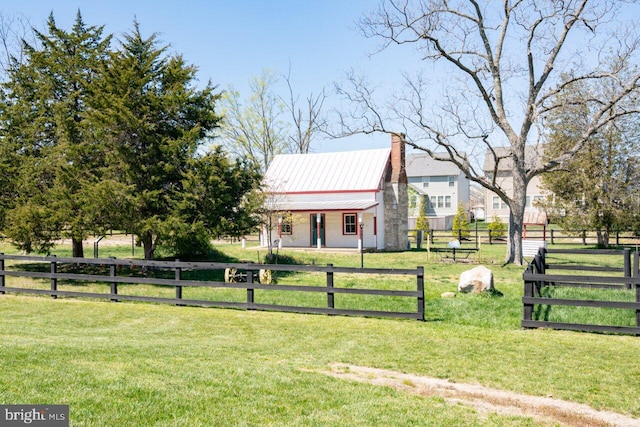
490	241
250	291
330	295
2	282
54	278
627	265
528	292
617	238
552	236
431	236
178	278
543	264
584	237
114	285
636	276
538	262
638	310
420	285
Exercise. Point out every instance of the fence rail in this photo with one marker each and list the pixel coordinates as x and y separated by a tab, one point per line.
552	236
539	285
250	271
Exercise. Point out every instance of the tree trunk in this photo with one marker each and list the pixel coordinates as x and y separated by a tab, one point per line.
77	250
514	248
149	245
603	238
516	219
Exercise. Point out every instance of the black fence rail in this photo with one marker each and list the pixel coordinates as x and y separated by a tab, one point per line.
473	237
617	285
111	271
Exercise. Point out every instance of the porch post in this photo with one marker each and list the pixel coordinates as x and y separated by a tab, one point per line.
318	222
360	236
375	232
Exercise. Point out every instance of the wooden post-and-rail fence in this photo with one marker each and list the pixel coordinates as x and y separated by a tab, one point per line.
54	273
540	280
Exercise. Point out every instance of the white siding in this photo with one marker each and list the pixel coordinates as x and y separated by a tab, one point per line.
439	188
334	237
301	231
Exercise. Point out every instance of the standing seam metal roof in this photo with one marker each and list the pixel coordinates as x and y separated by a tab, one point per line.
327	172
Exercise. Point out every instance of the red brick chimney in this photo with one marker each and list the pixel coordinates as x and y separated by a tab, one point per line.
398	172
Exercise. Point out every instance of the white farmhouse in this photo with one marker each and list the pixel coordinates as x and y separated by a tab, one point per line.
352	199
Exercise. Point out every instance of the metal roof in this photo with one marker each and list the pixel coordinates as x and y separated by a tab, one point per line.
327	172
329	205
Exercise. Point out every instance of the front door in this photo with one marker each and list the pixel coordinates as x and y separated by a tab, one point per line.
315	232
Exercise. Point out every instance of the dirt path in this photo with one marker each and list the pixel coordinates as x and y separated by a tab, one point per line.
487	400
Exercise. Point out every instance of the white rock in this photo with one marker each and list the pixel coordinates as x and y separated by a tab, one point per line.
476	280
448	295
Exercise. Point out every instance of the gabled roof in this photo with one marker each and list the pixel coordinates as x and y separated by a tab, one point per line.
533	157
422	164
328	172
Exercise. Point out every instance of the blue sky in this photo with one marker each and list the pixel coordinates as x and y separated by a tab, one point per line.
232	41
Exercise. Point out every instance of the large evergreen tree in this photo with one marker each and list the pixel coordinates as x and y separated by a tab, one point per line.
156	123
220	197
94	139
598	188
48	99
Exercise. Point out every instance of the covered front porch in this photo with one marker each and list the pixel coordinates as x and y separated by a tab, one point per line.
327	225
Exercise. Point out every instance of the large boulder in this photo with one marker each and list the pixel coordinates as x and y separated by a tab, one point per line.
476	280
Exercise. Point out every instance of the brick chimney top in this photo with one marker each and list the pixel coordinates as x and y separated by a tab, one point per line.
398	172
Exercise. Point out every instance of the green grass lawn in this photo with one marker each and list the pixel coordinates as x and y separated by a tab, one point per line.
136	364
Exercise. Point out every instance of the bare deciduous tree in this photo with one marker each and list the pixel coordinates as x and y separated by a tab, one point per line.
255	130
14	31
308	121
258	128
502	64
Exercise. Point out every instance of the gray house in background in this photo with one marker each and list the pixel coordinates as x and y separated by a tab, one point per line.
444	185
504	178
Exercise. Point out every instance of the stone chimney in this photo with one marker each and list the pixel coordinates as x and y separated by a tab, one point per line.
396	200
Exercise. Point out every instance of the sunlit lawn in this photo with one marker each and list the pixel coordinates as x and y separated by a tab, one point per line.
148	364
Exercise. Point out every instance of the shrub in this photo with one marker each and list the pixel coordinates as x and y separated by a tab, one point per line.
188	242
460	223
497	228
422	223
